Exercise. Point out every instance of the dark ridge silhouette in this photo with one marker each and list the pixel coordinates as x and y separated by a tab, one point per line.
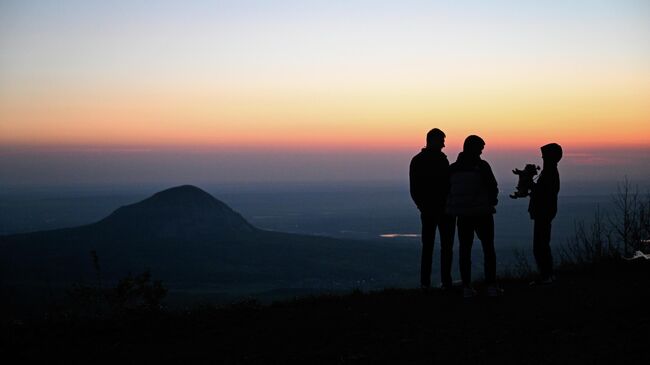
180	212
190	239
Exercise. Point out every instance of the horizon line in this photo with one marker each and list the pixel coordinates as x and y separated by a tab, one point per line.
306	147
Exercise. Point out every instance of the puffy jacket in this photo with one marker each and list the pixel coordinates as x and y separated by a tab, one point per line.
429	180
543	195
473	188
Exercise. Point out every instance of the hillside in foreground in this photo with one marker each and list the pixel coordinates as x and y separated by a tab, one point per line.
597	314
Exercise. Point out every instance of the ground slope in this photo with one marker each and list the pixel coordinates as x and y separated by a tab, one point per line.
597	314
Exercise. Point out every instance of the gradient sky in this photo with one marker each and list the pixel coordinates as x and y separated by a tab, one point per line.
319	77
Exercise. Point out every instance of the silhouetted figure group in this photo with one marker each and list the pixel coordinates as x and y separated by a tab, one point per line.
465	194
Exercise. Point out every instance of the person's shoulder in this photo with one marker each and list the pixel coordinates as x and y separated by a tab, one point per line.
417	159
454	166
484	164
420	154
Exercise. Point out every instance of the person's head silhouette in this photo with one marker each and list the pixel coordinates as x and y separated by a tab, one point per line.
551	153
473	145
436	139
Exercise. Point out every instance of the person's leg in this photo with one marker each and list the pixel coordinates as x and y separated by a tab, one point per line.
428	237
447	227
465	240
542	247
485	232
549	254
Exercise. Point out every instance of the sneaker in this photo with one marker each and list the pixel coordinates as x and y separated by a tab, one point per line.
469	293
494	291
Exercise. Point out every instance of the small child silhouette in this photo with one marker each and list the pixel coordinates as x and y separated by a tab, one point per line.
543	208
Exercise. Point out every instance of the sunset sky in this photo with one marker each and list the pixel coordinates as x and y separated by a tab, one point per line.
319	77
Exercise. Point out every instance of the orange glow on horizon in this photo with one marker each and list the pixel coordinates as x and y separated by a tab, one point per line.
324	77
604	113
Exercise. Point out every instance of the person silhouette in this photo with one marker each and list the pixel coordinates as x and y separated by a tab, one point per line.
472	199
543	208
429	186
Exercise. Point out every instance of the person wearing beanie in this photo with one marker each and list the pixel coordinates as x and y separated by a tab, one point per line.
543	208
429	185
472	199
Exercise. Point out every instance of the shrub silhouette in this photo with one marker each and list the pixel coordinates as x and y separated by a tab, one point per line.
137	292
590	244
131	293
631	221
622	233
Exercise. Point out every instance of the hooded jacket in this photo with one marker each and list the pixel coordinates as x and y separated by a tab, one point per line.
473	188
543	195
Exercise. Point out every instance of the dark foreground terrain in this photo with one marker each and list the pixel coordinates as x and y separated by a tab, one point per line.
598	314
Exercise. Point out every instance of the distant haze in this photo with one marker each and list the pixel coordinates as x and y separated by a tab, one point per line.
165	167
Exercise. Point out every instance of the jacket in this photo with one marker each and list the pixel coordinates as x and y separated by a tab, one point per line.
429	180
473	188
543	195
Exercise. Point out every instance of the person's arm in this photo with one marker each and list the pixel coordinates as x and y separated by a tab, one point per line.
445	176
414	183
490	182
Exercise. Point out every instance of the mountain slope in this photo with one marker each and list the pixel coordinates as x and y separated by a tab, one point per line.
180	212
188	238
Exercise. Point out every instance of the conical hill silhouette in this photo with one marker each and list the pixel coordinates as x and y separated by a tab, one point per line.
181	212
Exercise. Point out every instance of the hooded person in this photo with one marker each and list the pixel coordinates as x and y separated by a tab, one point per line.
429	185
543	208
472	199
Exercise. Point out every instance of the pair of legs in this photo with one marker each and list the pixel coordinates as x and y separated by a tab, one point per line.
483	225
542	248
445	224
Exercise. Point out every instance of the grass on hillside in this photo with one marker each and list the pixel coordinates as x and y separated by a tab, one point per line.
593	314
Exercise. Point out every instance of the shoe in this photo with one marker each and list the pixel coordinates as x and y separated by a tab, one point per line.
546	281
538	282
425	288
494	291
446	287
469	293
